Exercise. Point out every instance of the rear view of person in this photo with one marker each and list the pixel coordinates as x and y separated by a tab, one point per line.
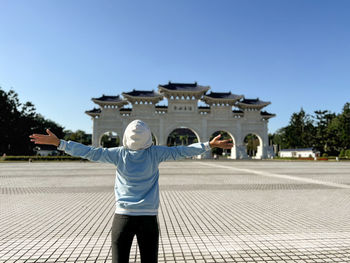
136	183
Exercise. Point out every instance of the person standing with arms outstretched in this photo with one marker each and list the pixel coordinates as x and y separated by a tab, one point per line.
136	183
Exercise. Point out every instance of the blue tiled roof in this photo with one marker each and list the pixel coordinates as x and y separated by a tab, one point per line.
142	93
265	113
253	101
183	87
109	98
94	110
223	95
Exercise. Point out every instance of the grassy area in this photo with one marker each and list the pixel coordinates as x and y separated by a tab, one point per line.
330	158
71	158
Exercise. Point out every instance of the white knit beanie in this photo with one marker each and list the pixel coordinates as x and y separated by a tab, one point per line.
137	136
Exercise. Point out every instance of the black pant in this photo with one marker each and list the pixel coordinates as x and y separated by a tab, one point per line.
124	229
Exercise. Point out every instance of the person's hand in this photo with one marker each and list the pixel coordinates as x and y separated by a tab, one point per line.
224	144
45	139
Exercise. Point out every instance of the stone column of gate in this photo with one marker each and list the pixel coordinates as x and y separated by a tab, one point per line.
204	138
259	152
241	151
233	154
207	154
265	145
162	139
95	134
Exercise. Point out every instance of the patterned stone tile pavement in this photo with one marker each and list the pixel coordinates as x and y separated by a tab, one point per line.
211	211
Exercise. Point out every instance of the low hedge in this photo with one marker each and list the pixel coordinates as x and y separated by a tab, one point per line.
302	158
329	158
41	158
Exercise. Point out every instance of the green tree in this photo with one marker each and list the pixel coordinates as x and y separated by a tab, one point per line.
172	139
186	139
18	121
78	136
279	138
181	136
252	142
110	140
322	121
344	127
339	131
300	131
182	139
347	153
328	132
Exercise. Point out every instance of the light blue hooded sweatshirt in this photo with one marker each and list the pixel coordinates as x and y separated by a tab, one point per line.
137	175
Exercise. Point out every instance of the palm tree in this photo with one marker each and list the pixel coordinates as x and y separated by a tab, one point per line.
186	138
182	139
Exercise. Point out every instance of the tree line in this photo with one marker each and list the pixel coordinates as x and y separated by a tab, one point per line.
19	120
323	130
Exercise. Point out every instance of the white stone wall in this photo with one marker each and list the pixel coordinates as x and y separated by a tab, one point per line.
297	154
161	125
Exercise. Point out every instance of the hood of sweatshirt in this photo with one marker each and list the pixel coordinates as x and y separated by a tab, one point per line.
137	136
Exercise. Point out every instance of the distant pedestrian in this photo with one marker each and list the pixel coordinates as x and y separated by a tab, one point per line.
136	183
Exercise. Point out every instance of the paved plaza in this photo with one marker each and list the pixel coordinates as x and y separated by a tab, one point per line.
211	211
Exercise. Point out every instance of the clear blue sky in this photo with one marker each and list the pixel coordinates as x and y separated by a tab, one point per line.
60	54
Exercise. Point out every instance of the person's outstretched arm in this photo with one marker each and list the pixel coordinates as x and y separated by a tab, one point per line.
104	155
165	153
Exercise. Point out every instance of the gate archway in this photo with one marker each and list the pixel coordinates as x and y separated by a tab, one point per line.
216	152
110	139
182	136
253	145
